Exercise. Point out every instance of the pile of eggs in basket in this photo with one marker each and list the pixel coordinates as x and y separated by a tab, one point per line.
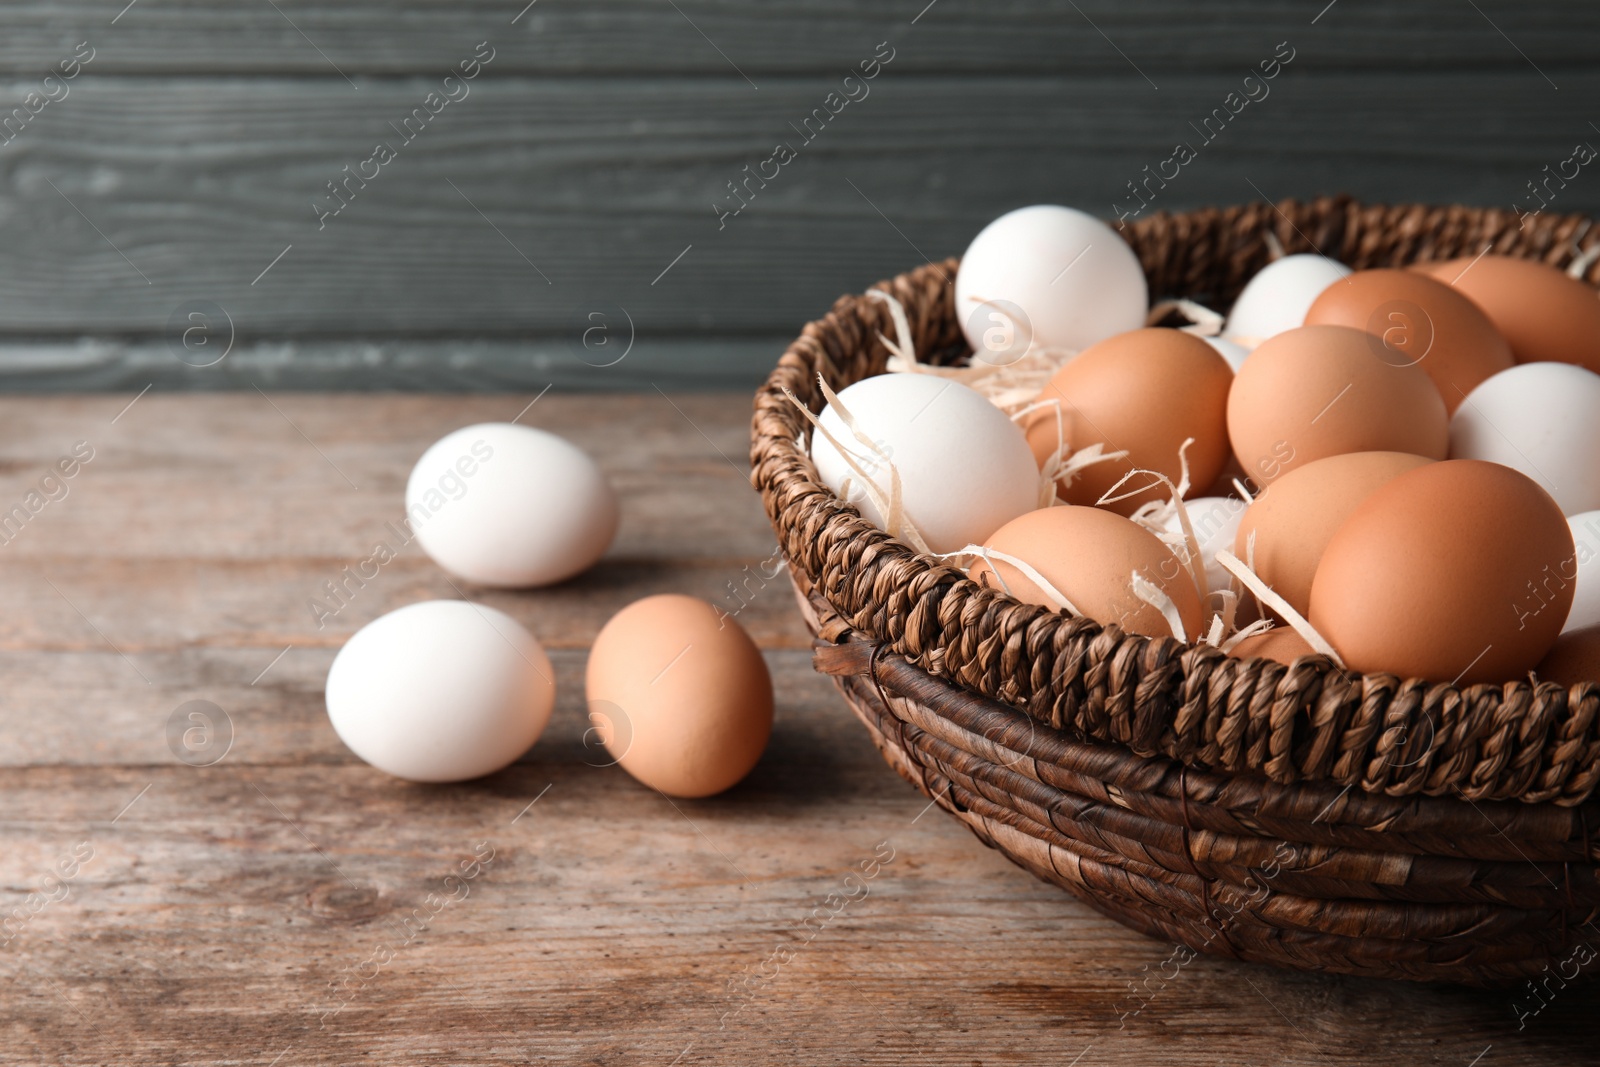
1398	469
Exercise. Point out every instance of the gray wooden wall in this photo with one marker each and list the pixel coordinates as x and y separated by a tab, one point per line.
578	177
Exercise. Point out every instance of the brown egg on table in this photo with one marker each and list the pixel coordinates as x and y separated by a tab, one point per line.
1089	556
1546	315
1279	643
1143	391
1296	517
1442	574
1417	320
679	695
1318	391
1574	658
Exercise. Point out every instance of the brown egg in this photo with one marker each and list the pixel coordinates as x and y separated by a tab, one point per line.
1222	484
1279	643
1294	520
679	695
1090	555
1143	391
1546	315
1415	319
1575	658
1434	576
1318	391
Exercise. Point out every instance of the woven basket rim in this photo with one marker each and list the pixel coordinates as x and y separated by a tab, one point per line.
1311	721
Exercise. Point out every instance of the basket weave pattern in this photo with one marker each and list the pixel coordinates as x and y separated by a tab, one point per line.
1307	815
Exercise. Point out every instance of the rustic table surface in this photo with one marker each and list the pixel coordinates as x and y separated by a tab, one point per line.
223	883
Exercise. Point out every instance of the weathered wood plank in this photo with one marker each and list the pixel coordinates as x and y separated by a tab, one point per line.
214	522
241	477
234	914
153	606
631	38
112	711
599	188
459	365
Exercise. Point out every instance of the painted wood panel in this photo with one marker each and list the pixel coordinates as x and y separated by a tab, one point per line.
723	37
606	164
528	204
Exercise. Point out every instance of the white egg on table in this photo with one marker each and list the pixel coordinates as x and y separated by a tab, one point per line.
1230	350
1585	611
1279	296
1216	523
440	691
506	505
1051	275
965	468
1542	419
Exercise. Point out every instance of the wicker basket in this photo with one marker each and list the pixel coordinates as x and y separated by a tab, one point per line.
1304	816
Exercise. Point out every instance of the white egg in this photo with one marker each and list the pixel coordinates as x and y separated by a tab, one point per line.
1586	598
506	505
1542	419
1216	522
965	468
1232	351
1279	296
1051	274
440	691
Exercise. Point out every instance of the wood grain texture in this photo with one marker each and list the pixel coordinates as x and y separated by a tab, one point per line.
275	907
531	203
455	365
183	163
635	37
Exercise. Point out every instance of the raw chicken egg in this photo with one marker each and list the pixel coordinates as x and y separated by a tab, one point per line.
1542	419
1319	391
1051	276
1546	315
1293	521
964	467
1574	659
506	505
1232	472
1279	296
1584	571
1443	574
1145	392
1215	520
1230	350
440	691
1279	643
1417	320
679	695
1089	556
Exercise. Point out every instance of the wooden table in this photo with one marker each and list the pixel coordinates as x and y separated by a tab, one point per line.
286	904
